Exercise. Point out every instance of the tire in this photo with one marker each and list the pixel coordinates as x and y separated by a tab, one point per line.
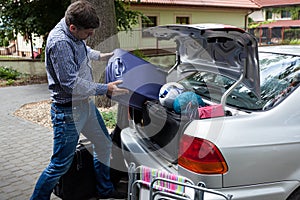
295	195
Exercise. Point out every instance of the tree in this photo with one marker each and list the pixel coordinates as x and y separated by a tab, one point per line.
114	16
105	39
29	17
126	18
6	35
38	17
292	10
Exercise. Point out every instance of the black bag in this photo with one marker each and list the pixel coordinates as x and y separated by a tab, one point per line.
79	183
162	126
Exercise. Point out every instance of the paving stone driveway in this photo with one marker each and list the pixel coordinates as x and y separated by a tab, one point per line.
25	146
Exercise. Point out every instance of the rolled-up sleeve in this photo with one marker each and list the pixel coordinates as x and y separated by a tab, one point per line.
93	54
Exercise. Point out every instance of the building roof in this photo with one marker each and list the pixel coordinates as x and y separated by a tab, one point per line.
253	4
282	23
275	3
249	4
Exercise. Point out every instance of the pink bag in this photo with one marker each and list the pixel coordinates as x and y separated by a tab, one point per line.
211	111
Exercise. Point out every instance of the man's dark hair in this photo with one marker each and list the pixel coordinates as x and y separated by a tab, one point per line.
82	14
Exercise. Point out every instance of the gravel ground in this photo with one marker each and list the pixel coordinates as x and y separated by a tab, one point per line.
39	112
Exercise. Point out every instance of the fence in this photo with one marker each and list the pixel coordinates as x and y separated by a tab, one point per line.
275	35
8	50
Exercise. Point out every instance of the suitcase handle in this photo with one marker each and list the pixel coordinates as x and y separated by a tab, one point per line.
78	153
79	160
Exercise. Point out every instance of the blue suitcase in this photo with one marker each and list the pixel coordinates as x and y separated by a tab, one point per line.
140	77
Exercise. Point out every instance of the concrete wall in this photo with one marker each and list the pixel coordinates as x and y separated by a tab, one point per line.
32	67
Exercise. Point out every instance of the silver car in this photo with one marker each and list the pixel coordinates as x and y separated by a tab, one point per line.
252	150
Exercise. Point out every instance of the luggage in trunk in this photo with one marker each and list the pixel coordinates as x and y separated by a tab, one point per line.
140	77
79	183
162	126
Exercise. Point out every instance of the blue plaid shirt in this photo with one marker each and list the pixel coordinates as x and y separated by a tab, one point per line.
68	67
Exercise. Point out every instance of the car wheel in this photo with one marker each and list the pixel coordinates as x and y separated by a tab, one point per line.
295	195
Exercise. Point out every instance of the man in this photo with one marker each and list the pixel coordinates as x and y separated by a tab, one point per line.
72	111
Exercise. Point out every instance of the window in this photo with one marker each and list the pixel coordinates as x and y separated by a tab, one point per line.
285	14
268	15
274	86
182	20
151	22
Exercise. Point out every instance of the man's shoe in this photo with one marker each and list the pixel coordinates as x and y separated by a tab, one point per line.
113	195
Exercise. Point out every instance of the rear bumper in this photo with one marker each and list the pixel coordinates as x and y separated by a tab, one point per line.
274	191
135	151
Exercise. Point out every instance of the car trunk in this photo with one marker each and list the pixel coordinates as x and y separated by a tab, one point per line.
218	49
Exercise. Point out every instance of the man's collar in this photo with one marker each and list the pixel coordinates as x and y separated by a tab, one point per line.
67	31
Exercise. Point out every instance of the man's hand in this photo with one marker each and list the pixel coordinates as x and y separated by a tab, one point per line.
106	56
114	90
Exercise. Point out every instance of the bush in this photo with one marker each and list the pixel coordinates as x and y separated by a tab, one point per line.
10	82
109	118
291	42
140	54
8	73
295	41
291	34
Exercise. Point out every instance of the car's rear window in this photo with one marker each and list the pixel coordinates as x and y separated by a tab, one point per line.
279	76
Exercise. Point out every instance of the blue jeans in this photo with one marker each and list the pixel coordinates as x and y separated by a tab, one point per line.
68	122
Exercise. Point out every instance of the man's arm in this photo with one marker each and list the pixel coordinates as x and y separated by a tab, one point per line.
97	55
67	72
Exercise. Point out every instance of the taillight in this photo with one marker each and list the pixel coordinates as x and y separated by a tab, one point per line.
201	156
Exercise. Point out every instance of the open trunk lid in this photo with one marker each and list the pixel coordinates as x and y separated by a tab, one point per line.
215	48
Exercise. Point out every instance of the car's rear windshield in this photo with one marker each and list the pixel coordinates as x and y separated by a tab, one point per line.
279	76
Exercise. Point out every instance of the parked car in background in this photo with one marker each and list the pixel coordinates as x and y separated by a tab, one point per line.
252	151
